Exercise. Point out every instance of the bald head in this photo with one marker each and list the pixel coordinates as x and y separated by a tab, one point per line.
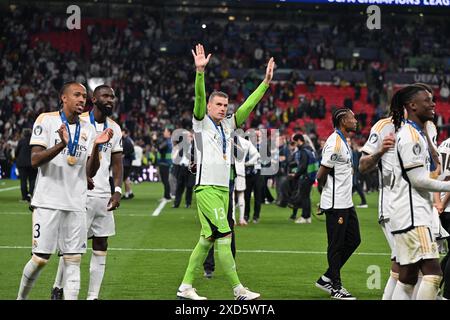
73	96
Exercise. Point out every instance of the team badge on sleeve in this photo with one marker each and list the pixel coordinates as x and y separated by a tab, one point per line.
417	149
334	157
373	138
37	130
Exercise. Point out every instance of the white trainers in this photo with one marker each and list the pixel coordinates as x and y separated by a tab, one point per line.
189	294
303	220
245	294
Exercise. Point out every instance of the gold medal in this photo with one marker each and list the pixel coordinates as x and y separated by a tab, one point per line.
71	160
224	157
99	155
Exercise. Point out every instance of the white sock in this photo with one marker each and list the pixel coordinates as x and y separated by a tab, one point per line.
30	273
403	291
326	279
417	286
429	287
390	286
96	271
241	204
72	276
238	288
184	286
59	274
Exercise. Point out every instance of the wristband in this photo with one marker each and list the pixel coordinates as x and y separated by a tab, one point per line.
118	189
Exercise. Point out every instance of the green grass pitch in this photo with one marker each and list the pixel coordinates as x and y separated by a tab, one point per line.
148	256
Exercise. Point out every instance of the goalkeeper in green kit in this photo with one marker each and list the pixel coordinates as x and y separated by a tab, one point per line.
213	141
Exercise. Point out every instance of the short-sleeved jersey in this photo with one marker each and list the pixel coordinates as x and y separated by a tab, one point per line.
213	169
102	187
444	154
432	132
247	153
379	131
58	184
411	207
337	192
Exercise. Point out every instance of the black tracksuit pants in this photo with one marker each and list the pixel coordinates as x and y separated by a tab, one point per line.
343	239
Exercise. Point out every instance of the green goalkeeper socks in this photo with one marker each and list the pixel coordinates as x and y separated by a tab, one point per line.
196	260
227	261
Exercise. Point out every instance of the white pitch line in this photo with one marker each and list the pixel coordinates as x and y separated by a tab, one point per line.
10	188
244	251
158	210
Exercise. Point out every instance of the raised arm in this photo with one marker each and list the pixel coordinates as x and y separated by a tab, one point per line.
200	93
247	107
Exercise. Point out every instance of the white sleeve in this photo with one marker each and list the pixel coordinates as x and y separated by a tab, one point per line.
412	153
116	145
329	156
229	122
40	135
419	178
197	125
253	154
432	132
373	144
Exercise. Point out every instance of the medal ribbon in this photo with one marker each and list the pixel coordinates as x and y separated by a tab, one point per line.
340	134
222	133
72	145
105	126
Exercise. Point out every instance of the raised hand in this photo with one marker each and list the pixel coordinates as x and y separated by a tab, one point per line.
105	136
388	143
269	71
63	134
199	58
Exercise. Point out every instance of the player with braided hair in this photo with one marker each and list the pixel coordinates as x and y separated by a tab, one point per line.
336	175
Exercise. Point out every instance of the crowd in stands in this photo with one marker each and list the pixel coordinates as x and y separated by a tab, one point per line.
146	59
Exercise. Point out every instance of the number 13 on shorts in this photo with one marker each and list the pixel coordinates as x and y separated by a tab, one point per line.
220	213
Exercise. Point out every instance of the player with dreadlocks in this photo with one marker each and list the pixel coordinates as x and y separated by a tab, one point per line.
378	152
411	213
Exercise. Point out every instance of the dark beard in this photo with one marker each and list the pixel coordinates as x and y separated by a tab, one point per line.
105	110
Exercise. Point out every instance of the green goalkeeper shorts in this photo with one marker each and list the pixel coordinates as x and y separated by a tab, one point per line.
212	204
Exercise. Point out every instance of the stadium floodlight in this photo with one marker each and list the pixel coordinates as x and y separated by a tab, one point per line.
163	48
203	26
95	82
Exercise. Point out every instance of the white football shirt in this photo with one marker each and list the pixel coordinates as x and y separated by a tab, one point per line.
374	143
444	154
411	207
213	168
246	148
58	184
102	187
337	192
